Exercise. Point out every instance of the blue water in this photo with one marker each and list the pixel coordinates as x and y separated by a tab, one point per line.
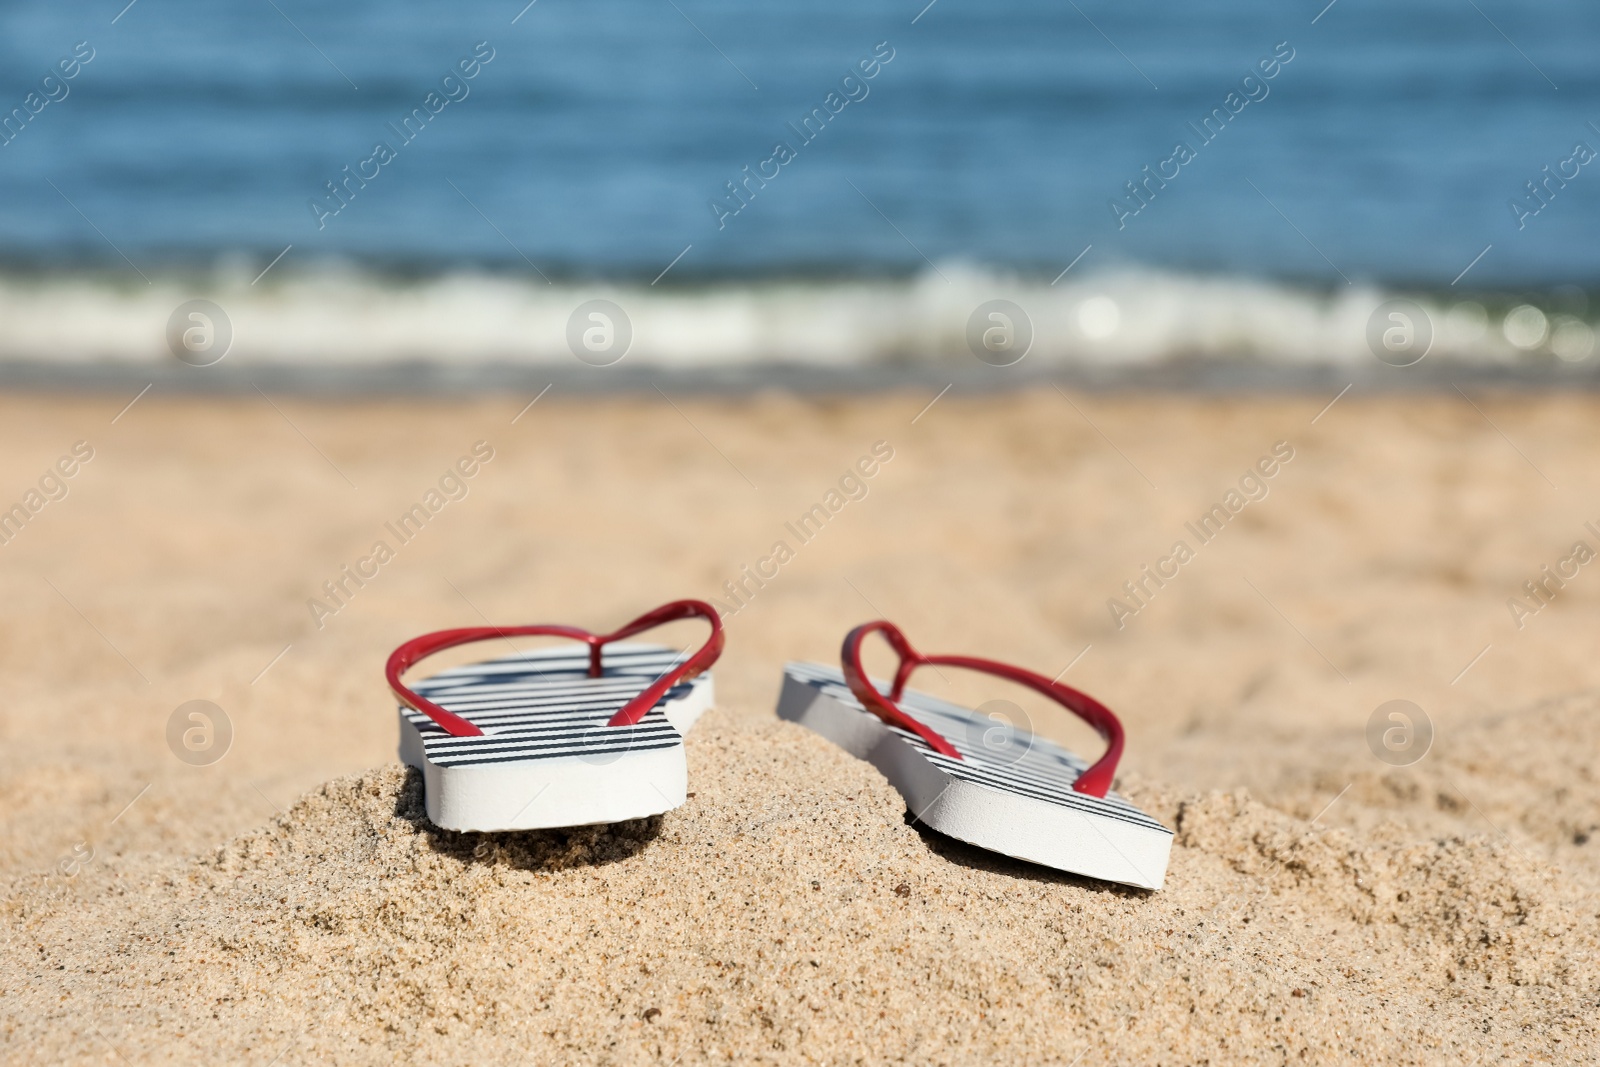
592	143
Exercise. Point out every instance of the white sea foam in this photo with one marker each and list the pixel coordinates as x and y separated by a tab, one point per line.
347	317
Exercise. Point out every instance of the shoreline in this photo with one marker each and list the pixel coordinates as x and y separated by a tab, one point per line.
419	379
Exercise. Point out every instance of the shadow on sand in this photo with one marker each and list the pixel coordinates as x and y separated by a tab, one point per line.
533	850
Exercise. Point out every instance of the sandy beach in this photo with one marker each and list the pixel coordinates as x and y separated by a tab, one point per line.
289	903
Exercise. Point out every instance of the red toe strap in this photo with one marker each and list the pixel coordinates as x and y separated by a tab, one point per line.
1095	782
419	648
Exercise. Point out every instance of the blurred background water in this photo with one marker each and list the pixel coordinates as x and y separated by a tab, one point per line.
1385	155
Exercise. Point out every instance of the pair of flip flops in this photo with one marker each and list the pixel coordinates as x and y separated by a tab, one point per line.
594	733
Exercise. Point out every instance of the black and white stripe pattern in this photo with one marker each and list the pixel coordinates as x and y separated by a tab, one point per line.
543	705
1026	764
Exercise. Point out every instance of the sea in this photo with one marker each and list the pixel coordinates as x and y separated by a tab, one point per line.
826	183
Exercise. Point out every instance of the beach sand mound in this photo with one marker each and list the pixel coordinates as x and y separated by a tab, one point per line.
790	913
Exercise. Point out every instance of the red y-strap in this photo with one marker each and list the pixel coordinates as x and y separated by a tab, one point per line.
1095	782
419	648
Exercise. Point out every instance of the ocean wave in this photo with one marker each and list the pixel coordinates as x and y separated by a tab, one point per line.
351	317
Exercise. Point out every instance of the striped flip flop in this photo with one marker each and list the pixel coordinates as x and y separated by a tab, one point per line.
977	778
558	736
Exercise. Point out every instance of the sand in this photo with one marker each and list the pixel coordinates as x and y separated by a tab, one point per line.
1322	906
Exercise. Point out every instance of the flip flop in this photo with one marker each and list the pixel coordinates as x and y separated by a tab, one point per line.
969	776
557	736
